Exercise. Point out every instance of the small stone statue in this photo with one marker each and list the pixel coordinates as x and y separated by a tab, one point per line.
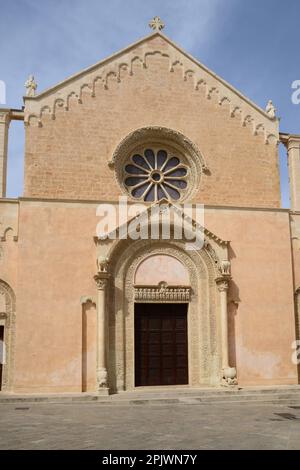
102	264
229	377
271	110
225	267
30	86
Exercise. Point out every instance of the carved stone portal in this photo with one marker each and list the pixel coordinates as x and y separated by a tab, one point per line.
8	315
202	296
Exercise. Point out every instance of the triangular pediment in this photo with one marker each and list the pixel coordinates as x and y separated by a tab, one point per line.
157	43
132	230
153	214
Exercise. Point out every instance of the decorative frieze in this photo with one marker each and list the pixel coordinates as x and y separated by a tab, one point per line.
162	293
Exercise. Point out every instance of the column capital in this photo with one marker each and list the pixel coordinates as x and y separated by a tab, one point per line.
223	283
290	140
5	116
293	143
101	279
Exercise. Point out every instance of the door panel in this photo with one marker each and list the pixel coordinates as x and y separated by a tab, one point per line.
161	353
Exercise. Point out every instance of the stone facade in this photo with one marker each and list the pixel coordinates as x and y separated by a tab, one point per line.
109	101
67	297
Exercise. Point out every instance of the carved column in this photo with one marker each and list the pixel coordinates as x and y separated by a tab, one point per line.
297	312
228	373
293	151
101	373
4	125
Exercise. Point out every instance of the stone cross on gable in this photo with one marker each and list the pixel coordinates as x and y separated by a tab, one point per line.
156	24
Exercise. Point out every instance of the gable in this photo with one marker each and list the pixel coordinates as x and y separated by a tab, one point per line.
111	69
74	129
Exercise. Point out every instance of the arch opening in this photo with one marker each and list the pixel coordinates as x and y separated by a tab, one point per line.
7	335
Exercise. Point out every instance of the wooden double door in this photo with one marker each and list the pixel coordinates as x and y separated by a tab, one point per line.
161	348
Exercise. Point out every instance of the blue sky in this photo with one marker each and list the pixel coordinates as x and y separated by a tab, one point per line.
254	45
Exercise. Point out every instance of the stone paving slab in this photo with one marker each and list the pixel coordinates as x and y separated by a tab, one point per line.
171	426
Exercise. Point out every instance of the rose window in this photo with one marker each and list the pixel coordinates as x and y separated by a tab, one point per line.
152	175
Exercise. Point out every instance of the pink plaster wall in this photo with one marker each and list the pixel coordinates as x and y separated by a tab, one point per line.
56	264
262	325
56	267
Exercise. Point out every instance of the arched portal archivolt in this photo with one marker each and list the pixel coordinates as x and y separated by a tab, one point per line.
203	321
8	319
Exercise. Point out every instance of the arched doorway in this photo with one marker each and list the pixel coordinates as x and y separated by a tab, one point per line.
162	294
199	293
7	335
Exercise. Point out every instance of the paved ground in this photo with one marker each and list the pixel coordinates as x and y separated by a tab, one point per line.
167	426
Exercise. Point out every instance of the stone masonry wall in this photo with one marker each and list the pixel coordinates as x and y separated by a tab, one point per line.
67	157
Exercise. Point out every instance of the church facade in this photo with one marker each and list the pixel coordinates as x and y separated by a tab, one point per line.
151	127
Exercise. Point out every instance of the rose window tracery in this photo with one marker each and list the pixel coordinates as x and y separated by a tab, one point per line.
154	174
